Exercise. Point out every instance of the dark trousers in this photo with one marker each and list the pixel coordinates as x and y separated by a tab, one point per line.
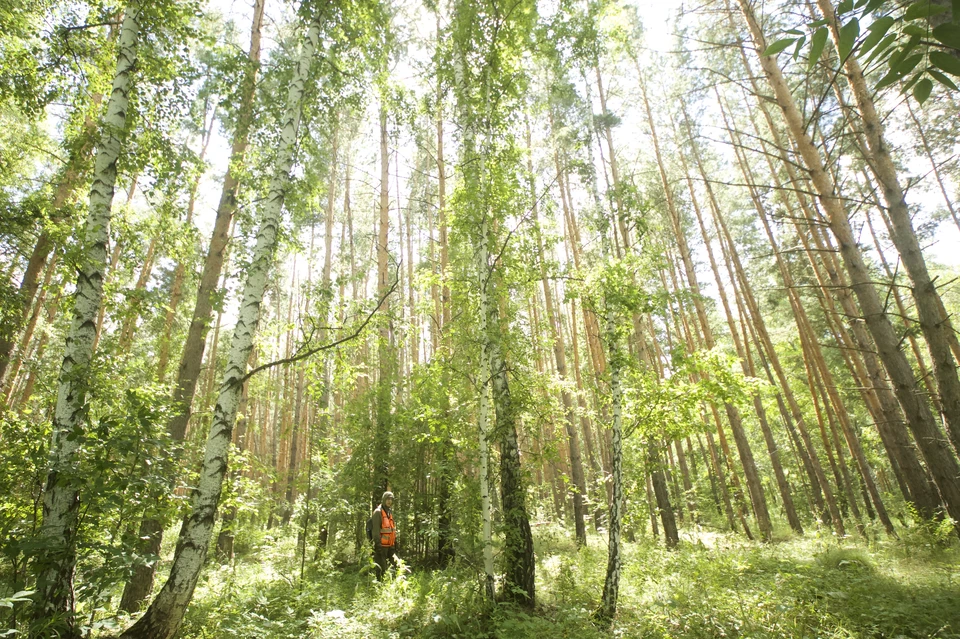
384	557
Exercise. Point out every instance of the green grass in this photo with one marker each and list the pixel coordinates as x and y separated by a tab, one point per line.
719	586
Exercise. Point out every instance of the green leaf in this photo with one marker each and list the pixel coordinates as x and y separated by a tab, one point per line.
903	52
907	87
887	80
942	79
816	24
906	66
882	24
860	3
923	9
817	43
873	5
915	30
882	47
848	37
778	46
844	7
796	32
796	51
921	91
945	62
948	34
878	28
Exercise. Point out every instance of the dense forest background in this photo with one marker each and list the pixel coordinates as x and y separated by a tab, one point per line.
644	313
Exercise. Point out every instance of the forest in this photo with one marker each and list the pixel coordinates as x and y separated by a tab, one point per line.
641	312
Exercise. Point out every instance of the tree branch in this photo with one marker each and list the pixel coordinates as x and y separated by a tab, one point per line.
303	354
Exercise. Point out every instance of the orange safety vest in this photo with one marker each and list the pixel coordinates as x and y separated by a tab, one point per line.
388	532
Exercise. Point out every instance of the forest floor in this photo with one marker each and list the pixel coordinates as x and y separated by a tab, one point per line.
714	585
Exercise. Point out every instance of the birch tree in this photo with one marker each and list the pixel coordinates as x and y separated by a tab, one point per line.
487	79
151	529
54	568
163	617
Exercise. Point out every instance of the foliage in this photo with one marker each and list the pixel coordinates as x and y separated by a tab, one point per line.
916	50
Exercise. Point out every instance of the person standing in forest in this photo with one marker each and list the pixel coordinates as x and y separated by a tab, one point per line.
384	533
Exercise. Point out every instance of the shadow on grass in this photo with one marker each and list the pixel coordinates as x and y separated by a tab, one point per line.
839	592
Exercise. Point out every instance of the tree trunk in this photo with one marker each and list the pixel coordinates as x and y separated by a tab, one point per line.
180	271
26	340
385	355
750	470
138	588
28	386
69	182
485	510
188	372
578	487
858	350
951	207
129	325
519	578
670	534
61	496
680	322
925	375
164	616
934	446
934	324
743	350
611	583
688	489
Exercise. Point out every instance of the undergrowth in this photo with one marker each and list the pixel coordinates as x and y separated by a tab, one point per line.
712	586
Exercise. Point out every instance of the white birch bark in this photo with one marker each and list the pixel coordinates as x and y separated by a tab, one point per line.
165	614
611	584
484	424
55	566
519	572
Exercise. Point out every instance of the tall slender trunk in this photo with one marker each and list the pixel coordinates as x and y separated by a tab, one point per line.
751	472
585	426
26	340
191	360
385	355
445	548
925	374
165	614
858	350
54	567
655	467
28	386
611	583
519	582
70	181
140	584
129	325
934	324
485	510
180	270
930	439
578	484
951	206
717	477
111	272
743	350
